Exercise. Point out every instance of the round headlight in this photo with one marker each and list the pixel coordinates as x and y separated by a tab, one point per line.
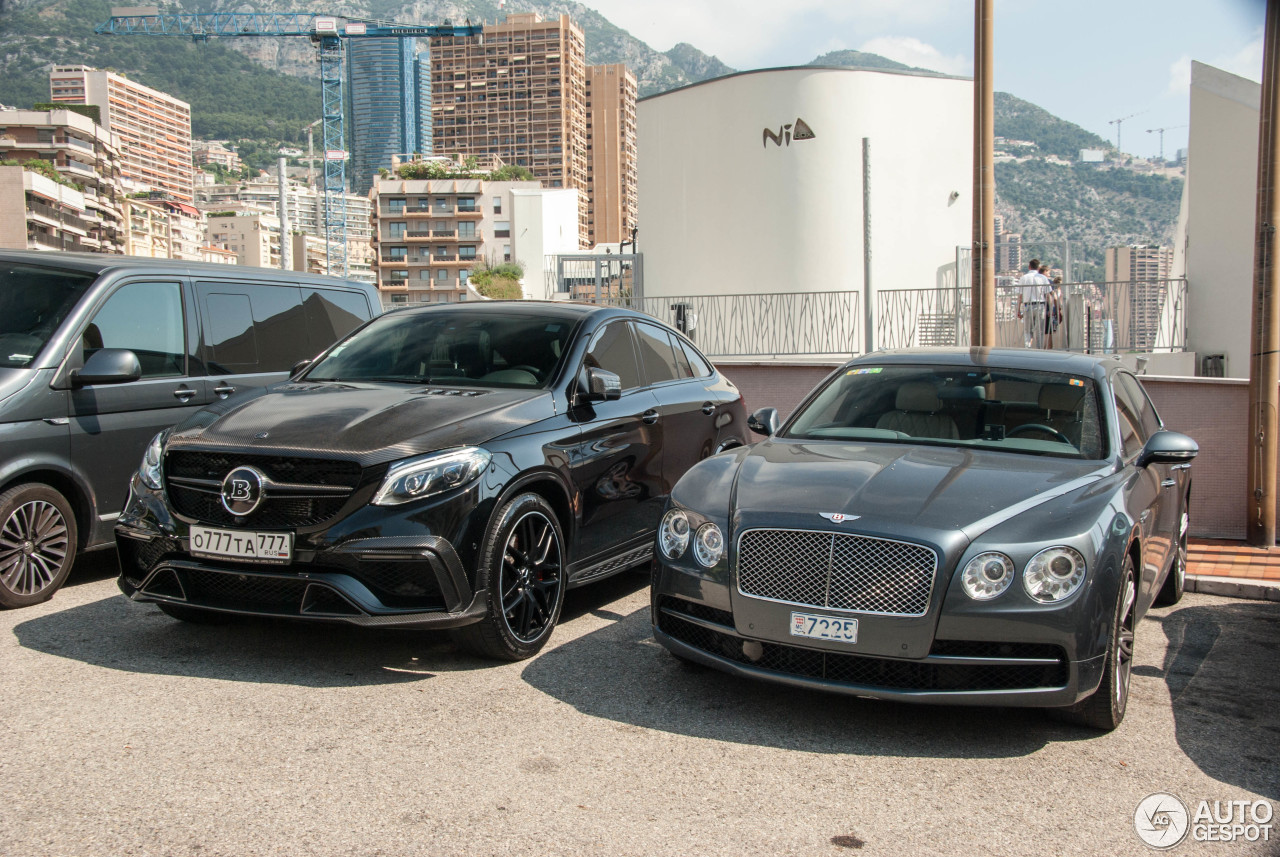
987	575
708	545
673	534
1053	574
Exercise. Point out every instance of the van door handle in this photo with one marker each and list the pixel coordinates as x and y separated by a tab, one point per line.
224	390
183	394
708	408
649	417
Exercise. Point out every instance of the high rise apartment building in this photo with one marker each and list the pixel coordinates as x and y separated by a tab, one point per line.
1135	278
611	154
154	128
519	91
1138	263
389	91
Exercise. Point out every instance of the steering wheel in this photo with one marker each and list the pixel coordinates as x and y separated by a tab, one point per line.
1040	427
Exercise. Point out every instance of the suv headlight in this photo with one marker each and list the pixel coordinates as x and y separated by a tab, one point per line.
416	478
1053	574
151	471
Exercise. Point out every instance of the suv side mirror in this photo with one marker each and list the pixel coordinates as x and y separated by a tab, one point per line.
764	421
602	385
1168	446
108	366
298	367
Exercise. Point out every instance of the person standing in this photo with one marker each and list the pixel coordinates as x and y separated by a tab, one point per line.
1033	291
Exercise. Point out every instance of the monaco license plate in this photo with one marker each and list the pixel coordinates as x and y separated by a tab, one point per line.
824	627
244	545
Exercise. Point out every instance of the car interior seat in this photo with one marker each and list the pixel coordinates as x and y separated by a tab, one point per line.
916	413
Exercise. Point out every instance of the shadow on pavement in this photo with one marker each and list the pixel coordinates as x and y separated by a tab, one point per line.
1220	668
119	634
620	673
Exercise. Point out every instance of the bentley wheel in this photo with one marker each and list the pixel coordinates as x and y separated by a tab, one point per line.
1176	583
523	570
37	544
1105	708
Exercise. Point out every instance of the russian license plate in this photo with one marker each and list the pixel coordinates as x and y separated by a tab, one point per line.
824	627
244	545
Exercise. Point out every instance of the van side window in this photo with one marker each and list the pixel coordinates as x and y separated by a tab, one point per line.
146	318
253	328
331	314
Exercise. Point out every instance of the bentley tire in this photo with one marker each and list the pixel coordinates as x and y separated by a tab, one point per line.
37	544
522	568
1176	582
1105	707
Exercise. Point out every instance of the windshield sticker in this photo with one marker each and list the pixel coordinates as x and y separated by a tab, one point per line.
1075	382
874	371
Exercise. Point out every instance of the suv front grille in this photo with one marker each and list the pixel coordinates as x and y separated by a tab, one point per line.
193	480
840	571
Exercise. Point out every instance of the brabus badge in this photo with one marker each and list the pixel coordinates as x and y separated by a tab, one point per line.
838	517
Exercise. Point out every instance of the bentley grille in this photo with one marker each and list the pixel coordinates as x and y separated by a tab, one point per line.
840	571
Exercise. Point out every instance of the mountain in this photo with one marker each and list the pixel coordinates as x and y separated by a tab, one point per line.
859	59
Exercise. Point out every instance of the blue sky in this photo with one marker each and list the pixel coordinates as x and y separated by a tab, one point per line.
1088	62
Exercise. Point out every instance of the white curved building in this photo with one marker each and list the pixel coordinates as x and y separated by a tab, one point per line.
753	183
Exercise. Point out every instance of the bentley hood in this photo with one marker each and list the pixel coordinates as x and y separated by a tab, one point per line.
892	487
372	423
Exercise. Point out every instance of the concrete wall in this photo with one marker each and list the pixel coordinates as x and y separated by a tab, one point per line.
725	210
1216	227
1211	410
543	223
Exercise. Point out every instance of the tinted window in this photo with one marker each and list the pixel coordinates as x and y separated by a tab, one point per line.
331	315
656	354
253	328
612	351
1129	411
33	303
700	367
1146	410
146	318
454	347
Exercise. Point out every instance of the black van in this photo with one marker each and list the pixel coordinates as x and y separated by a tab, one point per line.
98	353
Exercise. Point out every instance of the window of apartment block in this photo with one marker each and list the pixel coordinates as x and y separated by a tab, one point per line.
466	252
506	252
497	203
463	276
441	276
399	275
502	229
395	206
396	229
423	203
424	274
467	203
399	253
442	252
442	204
466	229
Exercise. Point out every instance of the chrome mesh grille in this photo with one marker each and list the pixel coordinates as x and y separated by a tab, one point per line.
841	571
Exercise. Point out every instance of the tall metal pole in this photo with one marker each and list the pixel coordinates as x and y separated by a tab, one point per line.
982	331
1264	359
868	295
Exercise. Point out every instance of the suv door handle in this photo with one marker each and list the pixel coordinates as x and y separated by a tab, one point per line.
649	417
708	408
224	390
184	394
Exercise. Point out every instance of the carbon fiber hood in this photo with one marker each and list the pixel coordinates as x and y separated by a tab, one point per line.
371	423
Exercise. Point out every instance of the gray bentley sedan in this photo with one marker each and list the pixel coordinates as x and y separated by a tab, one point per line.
948	526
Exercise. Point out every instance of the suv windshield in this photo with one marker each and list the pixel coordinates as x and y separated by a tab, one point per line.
33	303
1041	413
453	346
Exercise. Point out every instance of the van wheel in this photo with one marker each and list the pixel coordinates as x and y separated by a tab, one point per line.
522	566
37	544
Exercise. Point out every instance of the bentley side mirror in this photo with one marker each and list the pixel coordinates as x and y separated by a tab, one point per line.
1168	447
602	385
764	421
108	366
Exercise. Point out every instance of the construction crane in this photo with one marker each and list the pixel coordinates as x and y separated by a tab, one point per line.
329	33
1161	131
1118	123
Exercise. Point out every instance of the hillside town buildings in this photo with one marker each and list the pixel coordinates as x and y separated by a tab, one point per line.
154	128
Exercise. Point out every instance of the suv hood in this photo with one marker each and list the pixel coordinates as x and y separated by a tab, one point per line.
372	423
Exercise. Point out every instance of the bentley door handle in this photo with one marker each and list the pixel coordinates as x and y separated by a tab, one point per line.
224	390
649	417
708	409
184	395
1168	483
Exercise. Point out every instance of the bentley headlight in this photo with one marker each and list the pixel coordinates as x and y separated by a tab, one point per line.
987	575
1053	574
151	471
673	534
708	545
416	478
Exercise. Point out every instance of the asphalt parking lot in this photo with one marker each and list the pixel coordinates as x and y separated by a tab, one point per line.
128	733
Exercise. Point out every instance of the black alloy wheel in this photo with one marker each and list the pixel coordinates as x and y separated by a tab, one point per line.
523	571
37	544
1105	708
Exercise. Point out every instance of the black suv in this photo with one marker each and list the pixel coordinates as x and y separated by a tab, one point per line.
449	467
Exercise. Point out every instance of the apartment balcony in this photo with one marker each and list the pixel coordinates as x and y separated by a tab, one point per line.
446	236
